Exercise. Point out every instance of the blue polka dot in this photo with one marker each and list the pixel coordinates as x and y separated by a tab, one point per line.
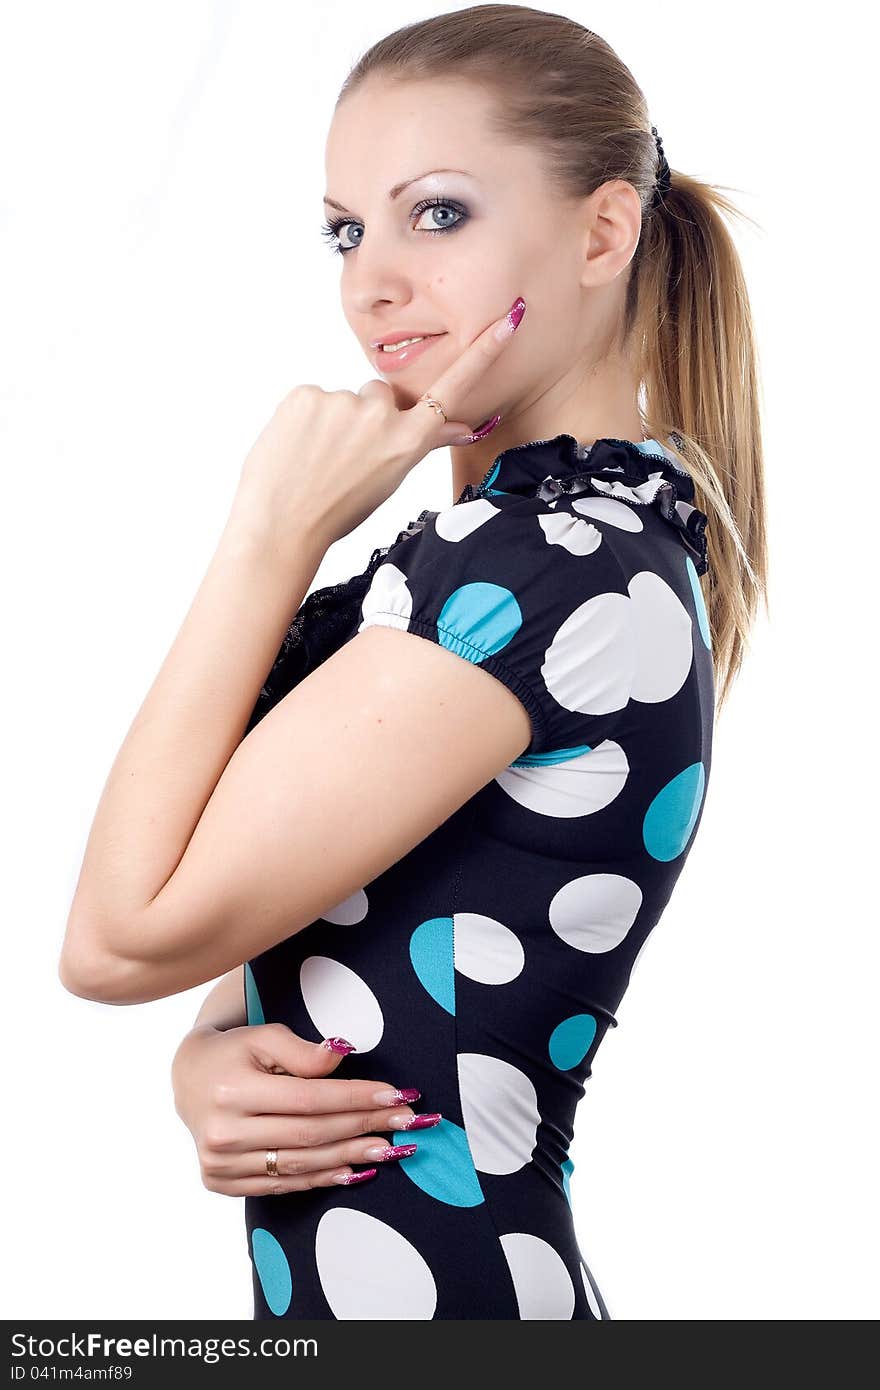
431	953
699	602
567	1169
271	1265
252	997
442	1165
570	1040
672	814
553	755
478	619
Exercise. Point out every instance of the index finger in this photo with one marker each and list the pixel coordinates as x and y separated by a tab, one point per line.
308	1095
462	376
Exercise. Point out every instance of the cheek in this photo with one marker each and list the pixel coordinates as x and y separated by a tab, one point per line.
473	287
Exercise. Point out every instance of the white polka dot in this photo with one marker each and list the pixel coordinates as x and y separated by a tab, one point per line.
594	912
486	950
388	594
591	1295
642	492
339	1003
368	1270
542	1283
665	638
499	1105
606	509
351	910
575	536
572	787
589	665
459	521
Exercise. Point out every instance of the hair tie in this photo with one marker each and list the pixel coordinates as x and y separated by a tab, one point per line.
663	177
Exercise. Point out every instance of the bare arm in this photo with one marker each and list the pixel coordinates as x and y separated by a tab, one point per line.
224	1007
182	738
266	857
208	848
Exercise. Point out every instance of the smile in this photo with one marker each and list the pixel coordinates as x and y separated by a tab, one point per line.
399	355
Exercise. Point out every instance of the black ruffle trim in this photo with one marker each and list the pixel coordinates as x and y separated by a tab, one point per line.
560	462
619	460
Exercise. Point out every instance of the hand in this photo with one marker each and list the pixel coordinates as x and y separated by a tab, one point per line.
242	1091
330	458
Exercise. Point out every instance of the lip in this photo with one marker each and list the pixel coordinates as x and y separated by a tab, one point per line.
396	361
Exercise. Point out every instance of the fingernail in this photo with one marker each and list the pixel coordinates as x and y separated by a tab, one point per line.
417	1122
487	428
512	319
338	1045
386	1151
395	1097
477	434
349	1178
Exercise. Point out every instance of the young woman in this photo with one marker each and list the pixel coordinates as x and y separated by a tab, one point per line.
426	848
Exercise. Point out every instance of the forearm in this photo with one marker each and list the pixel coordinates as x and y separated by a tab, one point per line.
185	732
225	1006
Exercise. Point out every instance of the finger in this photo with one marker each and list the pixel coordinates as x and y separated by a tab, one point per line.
380	389
275	1047
266	1186
306	1131
298	1163
454	386
297	1095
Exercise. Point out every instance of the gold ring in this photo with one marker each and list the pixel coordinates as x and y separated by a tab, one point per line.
435	405
272	1163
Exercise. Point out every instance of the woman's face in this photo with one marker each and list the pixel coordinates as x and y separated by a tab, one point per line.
498	231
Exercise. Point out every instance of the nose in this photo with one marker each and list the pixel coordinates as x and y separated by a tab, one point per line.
379	281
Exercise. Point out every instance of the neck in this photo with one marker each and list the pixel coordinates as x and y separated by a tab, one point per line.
602	406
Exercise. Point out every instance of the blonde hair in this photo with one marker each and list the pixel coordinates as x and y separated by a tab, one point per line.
687	319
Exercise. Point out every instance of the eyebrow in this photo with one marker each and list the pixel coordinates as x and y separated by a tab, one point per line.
398	187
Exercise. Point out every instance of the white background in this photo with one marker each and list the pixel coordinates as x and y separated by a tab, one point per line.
163	284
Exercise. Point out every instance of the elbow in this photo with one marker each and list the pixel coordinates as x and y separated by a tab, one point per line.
90	972
105	981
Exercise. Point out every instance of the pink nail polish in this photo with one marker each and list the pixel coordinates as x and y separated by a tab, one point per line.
395	1151
463	439
404	1097
423	1121
486	429
339	1045
357	1177
516	312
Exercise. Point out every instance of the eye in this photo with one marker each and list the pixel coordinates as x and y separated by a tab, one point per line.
439	208
436	207
331	231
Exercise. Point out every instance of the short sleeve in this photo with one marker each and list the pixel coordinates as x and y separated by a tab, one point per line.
533	595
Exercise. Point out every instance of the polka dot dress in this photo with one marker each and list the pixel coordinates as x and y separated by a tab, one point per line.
484	968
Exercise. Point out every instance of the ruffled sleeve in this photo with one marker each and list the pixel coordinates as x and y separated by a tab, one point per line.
535	597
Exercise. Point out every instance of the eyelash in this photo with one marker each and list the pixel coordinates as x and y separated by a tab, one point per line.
331	229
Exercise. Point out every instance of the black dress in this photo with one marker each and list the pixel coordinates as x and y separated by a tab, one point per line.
485	966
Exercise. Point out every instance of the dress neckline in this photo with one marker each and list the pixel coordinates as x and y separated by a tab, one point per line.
646	473
525	466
